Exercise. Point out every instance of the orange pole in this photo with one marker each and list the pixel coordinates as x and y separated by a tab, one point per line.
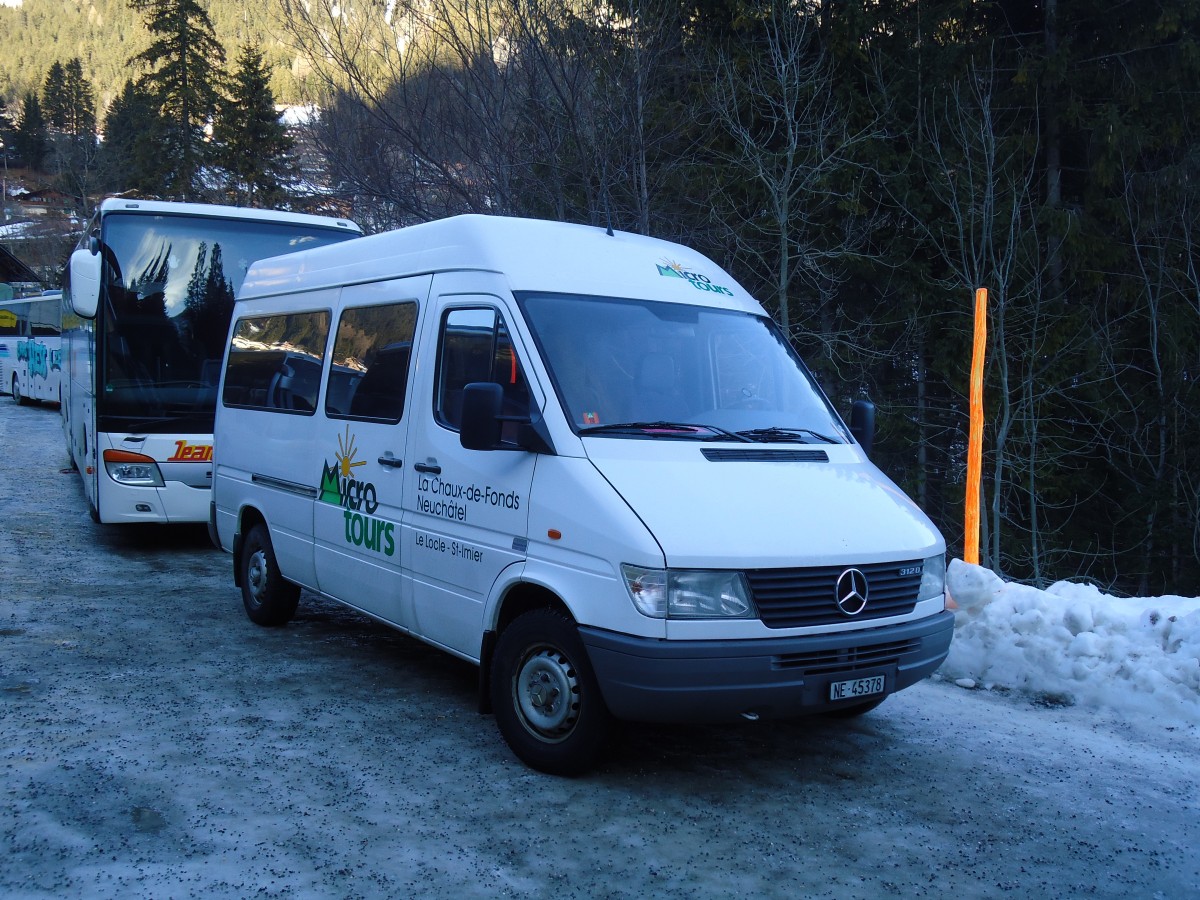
975	441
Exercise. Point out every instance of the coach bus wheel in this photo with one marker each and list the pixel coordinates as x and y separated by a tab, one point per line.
545	696
16	393
268	597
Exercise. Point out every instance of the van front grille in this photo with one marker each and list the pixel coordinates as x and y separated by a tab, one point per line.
793	598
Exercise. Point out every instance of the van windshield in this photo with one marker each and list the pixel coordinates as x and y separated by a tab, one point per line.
635	368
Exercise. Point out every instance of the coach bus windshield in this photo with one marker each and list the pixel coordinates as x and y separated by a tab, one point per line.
170	283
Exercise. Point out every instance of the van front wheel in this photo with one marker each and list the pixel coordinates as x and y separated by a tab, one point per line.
268	597
545	696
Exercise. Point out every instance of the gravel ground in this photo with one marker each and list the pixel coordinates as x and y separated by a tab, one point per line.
154	743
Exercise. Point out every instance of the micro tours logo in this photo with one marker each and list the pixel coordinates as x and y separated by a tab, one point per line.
357	499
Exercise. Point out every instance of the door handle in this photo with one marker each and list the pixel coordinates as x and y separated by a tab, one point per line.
430	468
391	462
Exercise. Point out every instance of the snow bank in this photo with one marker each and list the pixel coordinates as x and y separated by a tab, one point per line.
1073	644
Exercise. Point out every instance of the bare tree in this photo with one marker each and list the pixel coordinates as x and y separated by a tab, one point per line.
413	105
1151	353
984	191
591	71
511	106
774	97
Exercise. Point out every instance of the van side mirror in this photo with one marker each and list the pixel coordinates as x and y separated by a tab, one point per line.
862	424
83	282
479	427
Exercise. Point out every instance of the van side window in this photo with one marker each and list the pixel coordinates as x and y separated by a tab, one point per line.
275	362
475	345
369	371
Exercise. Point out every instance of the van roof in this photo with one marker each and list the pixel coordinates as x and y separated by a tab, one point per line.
213	210
532	254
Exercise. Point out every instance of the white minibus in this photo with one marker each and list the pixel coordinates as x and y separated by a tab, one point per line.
587	462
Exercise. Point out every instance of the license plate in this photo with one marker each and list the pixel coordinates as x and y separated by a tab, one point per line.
858	687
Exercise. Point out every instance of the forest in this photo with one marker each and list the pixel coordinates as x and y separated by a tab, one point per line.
106	34
861	167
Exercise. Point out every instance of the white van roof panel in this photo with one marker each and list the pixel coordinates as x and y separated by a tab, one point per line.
531	254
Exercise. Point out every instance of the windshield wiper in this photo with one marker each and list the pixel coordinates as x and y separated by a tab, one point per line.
775	434
684	430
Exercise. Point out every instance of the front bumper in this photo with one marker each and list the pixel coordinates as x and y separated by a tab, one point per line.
646	680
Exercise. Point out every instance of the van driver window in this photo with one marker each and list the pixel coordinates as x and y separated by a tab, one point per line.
368	374
475	346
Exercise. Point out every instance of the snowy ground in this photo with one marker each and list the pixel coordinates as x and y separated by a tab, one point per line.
154	743
1072	644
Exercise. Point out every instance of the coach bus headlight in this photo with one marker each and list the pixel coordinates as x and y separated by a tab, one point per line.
134	469
688	593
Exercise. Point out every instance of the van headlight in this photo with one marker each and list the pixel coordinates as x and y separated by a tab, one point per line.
688	593
136	469
933	578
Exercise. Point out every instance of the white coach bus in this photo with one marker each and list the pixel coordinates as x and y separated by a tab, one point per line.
30	351
146	307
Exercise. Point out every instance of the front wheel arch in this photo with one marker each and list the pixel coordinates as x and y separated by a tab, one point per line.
520	599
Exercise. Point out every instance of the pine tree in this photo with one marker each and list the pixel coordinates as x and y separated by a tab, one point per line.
8	128
69	106
54	101
185	62
252	144
131	158
79	113
30	139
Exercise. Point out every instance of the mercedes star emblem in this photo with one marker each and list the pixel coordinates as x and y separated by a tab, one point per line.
851	592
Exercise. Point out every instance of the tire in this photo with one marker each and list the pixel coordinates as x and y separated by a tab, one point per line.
269	598
16	393
853	712
545	695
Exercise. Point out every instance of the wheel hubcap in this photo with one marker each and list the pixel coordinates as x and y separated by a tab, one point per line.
256	575
547	694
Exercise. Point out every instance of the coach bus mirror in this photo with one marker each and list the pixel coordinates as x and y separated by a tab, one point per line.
83	283
862	424
480	425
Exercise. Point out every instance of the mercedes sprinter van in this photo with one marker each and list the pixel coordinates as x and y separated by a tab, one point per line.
588	462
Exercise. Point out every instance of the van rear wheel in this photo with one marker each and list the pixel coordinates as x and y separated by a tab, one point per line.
269	598
545	696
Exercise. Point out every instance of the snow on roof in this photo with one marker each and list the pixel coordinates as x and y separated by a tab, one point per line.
292	116
18	230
